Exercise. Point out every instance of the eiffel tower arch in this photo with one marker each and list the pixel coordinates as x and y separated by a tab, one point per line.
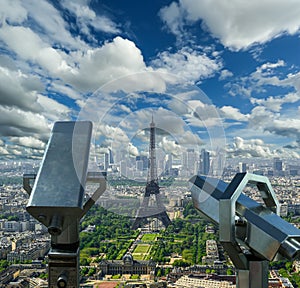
158	210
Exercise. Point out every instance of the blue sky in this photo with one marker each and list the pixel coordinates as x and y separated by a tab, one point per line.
215	74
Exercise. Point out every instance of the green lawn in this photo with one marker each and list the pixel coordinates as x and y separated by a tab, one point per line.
149	237
142	248
138	256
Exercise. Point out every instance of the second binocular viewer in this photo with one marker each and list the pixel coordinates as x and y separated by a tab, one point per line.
252	233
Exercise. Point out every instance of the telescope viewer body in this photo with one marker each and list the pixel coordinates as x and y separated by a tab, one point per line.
58	191
248	229
57	196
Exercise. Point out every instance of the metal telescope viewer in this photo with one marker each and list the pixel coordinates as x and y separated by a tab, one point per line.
57	197
251	233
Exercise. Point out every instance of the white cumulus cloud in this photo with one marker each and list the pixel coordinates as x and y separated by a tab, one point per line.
28	141
12	11
187	64
33	49
250	148
275	103
87	18
170	146
114	59
233	113
238	24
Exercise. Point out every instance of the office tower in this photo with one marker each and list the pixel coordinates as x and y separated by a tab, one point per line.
144	159
191	161
139	165
123	168
242	167
111	157
204	162
169	164
277	167
184	158
106	161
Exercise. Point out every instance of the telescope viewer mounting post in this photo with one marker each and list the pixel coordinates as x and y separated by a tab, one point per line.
57	196
251	233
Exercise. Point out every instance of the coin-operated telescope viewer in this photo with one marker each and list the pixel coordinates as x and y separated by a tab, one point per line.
57	197
251	233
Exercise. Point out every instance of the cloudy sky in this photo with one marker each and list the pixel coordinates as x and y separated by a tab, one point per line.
214	73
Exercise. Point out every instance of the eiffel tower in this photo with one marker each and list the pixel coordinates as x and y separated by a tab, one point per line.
146	210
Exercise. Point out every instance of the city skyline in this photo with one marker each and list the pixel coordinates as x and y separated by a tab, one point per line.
216	75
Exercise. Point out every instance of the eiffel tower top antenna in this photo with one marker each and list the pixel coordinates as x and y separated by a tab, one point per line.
152	171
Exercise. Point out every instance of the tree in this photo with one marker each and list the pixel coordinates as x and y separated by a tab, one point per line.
158	272
181	263
289	267
3	265
91	271
84	270
283	272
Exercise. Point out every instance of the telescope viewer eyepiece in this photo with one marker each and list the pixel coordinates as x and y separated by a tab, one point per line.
290	248
62	280
56	224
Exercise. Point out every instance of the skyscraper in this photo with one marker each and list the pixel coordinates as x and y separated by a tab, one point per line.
139	165
277	167
191	162
242	167
106	161
144	159
123	168
204	162
169	164
111	157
